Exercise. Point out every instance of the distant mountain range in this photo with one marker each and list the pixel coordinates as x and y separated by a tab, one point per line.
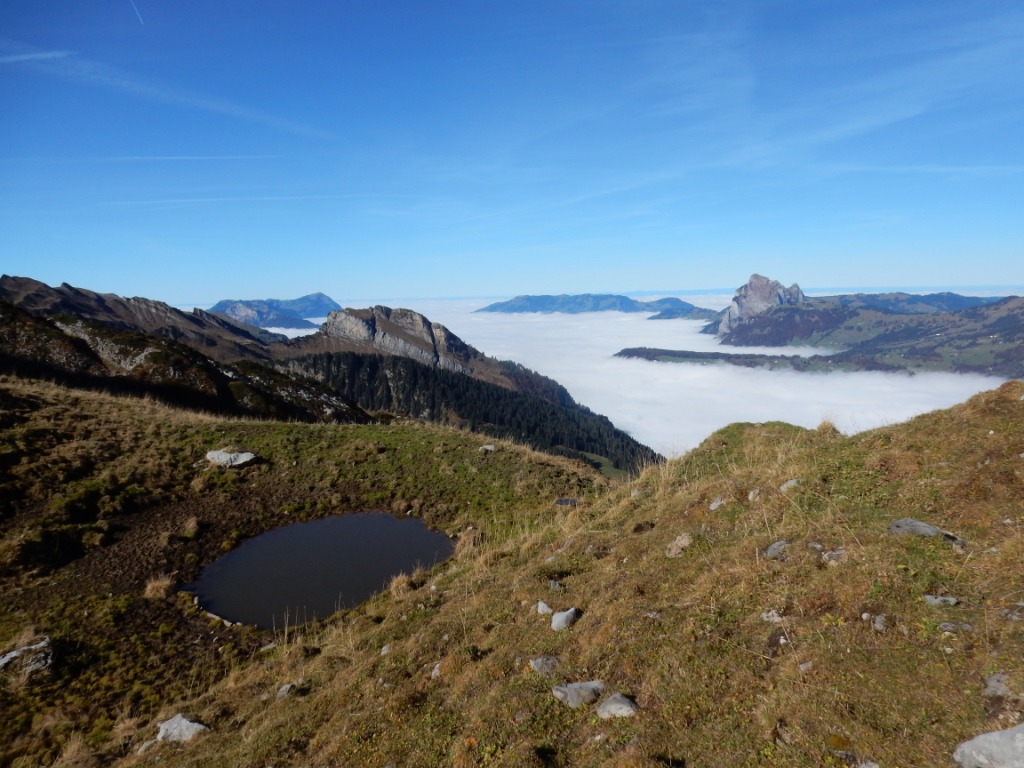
665	309
886	331
379	360
277	313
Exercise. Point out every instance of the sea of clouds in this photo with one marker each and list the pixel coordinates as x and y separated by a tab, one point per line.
672	407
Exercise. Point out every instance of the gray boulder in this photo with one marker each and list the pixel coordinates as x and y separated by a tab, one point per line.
544	665
997	749
908	526
179	728
776	551
577	695
224	458
617	705
565	619
678	545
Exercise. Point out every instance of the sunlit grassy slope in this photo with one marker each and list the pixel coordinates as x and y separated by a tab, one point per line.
734	659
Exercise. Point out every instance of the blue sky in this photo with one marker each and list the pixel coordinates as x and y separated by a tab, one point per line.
194	151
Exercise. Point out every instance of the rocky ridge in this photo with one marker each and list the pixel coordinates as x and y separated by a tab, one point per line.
758	295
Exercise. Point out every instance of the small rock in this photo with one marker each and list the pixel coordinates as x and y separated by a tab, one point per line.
806	667
880	622
386	649
31	660
939	601
543	608
224	458
789	485
1015	612
285	691
578	694
435	673
489	448
634	493
716	503
908	526
996	749
565	502
617	705
955	627
179	728
752	496
556	586
995	685
772	617
679	545
776	551
544	665
565	619
833	557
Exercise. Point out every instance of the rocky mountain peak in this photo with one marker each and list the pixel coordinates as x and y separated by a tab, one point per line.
758	295
401	332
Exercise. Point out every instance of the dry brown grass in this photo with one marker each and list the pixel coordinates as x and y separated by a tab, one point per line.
158	587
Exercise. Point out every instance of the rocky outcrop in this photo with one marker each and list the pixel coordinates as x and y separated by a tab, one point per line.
757	296
401	332
998	749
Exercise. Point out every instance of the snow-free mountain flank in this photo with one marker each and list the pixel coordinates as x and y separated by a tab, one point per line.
665	309
278	313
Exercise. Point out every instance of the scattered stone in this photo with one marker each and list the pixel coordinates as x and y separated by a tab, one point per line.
806	667
955	627
776	551
653	615
634	493
544	665
1015	612
833	557
880	623
789	485
285	691
817	546
617	705
179	728
908	526
716	503
752	496
487	448
435	673
565	619
995	685
939	601
577	695
543	608
32	660
556	586
996	749
386	649
772	617
679	545
223	458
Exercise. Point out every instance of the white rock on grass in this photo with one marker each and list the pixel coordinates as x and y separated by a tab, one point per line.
577	695
179	728
224	458
617	705
543	608
544	665
789	485
776	550
678	545
997	749
565	619
716	503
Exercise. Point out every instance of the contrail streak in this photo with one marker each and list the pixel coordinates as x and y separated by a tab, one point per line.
137	12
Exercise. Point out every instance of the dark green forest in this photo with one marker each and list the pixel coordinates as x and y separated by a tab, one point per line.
544	417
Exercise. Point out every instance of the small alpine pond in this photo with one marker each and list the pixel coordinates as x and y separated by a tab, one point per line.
311	570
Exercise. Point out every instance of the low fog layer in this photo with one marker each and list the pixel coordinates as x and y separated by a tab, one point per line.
672	407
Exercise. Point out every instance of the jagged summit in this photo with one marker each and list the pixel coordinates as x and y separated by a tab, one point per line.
758	295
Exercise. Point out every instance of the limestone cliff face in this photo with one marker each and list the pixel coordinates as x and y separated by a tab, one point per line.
401	332
758	295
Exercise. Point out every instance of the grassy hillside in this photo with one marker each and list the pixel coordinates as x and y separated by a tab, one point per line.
109	499
830	656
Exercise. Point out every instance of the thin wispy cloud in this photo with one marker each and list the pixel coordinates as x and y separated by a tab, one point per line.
95	74
24	58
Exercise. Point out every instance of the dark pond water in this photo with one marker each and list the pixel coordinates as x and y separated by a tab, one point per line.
310	570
